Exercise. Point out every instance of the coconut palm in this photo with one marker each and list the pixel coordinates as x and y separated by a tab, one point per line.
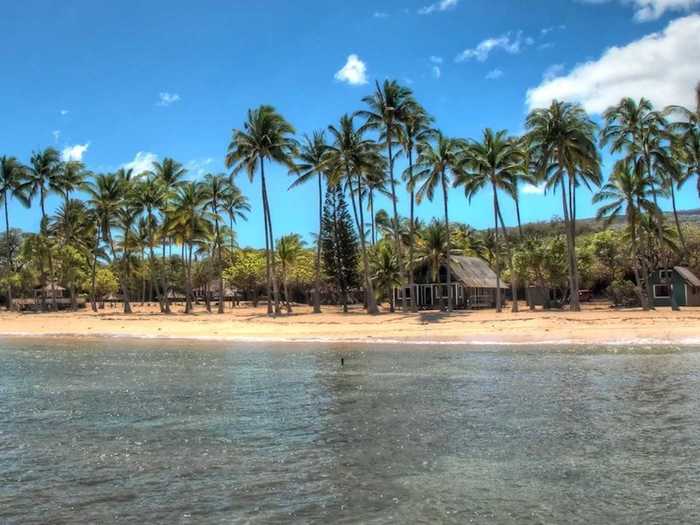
433	245
13	185
266	135
313	163
191	220
416	130
628	194
438	164
236	206
562	145
217	188
349	156
388	108
44	168
640	132
493	163
289	247
386	271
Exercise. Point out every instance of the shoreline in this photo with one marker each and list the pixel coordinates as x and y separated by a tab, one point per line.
595	325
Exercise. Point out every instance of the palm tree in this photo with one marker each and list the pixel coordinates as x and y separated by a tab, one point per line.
349	155
313	162
12	185
628	194
434	245
266	135
386	272
562	145
237	207
388	107
416	130
437	165
217	187
105	192
289	248
493	163
190	218
639	131
45	167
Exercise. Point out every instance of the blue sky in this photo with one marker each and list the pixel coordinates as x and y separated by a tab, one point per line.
126	82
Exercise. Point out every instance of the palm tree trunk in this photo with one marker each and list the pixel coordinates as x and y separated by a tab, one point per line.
509	247
286	292
317	290
412	238
220	258
448	255
268	283
93	283
54	304
188	291
570	248
681	236
122	274
9	252
497	256
372	222
397	228
526	284
369	290
273	272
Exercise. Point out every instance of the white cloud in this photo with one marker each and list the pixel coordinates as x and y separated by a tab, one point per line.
64	112
199	166
647	10
552	72
354	72
380	14
75	152
531	189
442	5
436	72
436	60
56	134
143	161
511	43
494	74
660	66
165	98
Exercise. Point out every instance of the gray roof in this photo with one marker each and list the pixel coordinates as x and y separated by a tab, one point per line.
473	272
687	275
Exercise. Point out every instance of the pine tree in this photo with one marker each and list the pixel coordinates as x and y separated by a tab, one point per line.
339	244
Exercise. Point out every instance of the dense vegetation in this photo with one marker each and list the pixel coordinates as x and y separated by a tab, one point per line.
158	235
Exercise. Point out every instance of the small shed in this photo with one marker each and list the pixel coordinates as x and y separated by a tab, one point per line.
473	285
686	286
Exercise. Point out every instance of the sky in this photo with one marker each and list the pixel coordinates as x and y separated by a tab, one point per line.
124	83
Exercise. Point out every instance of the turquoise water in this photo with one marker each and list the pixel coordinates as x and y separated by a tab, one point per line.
153	432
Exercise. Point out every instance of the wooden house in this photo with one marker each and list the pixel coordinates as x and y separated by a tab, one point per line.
686	287
473	285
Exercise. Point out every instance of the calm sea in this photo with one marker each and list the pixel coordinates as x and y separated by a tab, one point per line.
171	432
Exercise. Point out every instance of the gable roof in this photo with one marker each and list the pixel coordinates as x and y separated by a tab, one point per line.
687	275
473	272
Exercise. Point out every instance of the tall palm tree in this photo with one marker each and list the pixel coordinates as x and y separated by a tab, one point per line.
313	163
190	218
639	131
628	194
266	135
416	130
349	155
388	107
289	247
437	166
562	144
217	187
45	167
105	193
494	163
237	207
13	185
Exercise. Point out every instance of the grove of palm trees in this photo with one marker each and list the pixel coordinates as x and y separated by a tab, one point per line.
163	236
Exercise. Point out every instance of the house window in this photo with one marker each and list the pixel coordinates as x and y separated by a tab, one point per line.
662	291
665	274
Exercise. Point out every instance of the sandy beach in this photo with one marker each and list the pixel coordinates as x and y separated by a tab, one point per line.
596	324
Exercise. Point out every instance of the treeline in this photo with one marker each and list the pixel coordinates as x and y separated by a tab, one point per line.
157	234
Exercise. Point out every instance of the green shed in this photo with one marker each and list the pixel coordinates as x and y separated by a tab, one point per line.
686	287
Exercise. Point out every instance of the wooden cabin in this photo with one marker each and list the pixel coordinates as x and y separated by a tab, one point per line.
473	285
46	294
686	287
